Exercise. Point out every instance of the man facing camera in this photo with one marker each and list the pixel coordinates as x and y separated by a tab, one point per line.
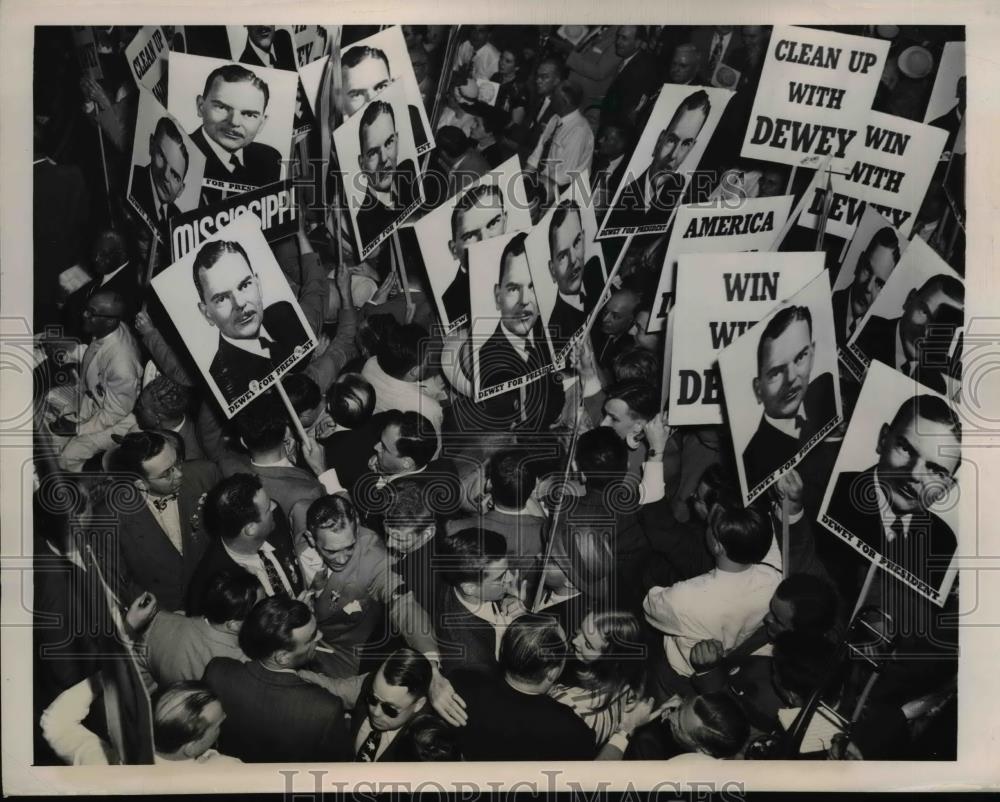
795	408
579	283
253	339
874	267
266	48
233	109
157	185
389	189
888	505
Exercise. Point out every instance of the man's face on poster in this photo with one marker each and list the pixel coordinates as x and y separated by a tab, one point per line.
566	264
232	113
379	151
676	140
783	374
168	166
484	220
233	302
917	460
515	297
922	308
261	35
363	83
873	271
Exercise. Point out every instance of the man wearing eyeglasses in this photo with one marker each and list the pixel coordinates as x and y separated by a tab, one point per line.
390	699
159	543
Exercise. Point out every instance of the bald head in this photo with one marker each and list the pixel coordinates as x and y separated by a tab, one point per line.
685	63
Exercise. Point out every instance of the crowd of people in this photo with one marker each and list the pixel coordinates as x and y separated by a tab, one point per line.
397	572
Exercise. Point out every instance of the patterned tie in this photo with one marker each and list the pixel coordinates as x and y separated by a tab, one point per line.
161	502
277	586
370	747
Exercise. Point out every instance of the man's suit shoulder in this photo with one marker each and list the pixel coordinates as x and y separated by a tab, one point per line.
820	399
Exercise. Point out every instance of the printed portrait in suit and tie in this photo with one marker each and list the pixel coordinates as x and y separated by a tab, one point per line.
247	328
871	271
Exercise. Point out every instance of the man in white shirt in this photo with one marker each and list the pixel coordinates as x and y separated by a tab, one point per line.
566	146
726	604
478	52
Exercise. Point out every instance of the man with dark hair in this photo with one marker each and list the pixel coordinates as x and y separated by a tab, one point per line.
796	406
390	188
566	145
579	284
159	543
178	647
272	714
351	404
364	75
630	405
233	109
951	121
650	199
726	604
875	265
478	215
636	81
706	726
268	47
931	315
684	65
615	140
400	376
155	186
253	339
888	505
187	719
250	534
550	72
390	700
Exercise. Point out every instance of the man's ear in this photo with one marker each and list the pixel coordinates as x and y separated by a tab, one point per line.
188	750
233	626
141	484
496	296
204	312
361	162
756	389
199	103
413	374
420	704
409	463
453	250
152	142
281	657
552	270
883	433
909	298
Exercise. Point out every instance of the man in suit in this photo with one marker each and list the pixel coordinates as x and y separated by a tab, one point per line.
113	271
931	315
795	407
351	403
888	505
389	700
685	65
579	284
161	541
952	120
253	339
614	143
875	265
715	45
364	75
157	185
233	109
268	47
272	714
478	215
250	534
650	199
637	78
549	73
390	189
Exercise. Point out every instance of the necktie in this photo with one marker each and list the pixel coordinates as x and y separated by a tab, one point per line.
800	424
277	586
272	59
368	750
161	502
713	60
234	162
548	146
266	344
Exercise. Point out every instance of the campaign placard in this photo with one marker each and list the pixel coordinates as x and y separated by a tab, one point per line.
147	59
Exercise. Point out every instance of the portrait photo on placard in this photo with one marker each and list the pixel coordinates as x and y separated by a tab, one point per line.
509	344
680	125
894	491
946	106
239	319
494	205
379	168
914	324
370	66
567	267
781	387
873	254
239	115
167	168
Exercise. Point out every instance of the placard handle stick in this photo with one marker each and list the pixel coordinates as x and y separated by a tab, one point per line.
786	569
667	347
869	578
606	292
796	213
104	163
397	252
791	179
152	261
299	430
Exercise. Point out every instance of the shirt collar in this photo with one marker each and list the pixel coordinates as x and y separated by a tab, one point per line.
263	55
483	610
252	346
223	155
887	515
281	463
519	344
576	301
786	425
248	559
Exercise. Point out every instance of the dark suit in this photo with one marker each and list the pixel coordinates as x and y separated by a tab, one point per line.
233	368
125	282
928	546
566	320
360	713
456	297
348	451
439	480
639	78
464	640
142	194
770	448
216	560
950	122
261	164
276	717
877	339
841	301
147	560
629	211
281	47
374	217
701	38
